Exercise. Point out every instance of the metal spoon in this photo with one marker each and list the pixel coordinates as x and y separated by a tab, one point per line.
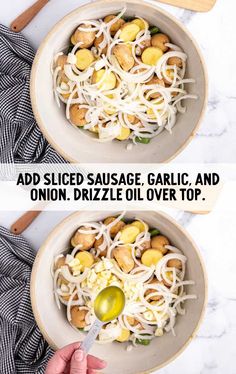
108	305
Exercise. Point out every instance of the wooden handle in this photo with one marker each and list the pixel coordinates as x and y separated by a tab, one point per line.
196	5
22	21
24	221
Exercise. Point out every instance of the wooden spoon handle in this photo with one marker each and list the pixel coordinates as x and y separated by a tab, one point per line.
196	5
23	19
24	221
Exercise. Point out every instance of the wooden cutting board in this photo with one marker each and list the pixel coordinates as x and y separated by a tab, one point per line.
197	5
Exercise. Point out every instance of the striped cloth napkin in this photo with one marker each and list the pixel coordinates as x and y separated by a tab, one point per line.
20	138
22	347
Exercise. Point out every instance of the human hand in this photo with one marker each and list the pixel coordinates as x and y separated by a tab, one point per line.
72	360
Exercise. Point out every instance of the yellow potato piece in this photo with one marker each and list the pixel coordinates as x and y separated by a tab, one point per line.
129	234
66	96
170	74
151	257
86	259
109	109
124	133
141	226
72	39
129	32
169	275
124	336
150	113
141	23
84	58
94	129
73	243
107	83
129	45
151	55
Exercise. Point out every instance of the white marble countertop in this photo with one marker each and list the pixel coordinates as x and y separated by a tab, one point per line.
214	348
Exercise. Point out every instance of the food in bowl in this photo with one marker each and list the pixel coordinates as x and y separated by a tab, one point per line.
130	255
121	79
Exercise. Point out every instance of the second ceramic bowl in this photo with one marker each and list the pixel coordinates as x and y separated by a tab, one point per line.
58	332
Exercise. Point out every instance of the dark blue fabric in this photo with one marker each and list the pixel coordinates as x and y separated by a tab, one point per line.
21	140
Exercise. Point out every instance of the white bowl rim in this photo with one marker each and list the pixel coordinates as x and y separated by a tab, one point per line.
59	226
150	4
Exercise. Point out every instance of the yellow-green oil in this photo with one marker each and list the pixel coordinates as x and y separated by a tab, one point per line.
109	304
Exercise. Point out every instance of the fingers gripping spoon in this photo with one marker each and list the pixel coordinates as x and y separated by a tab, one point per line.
108	305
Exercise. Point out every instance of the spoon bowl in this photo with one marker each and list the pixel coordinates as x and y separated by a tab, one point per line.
109	304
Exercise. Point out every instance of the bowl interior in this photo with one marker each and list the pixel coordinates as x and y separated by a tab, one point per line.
58	332
78	146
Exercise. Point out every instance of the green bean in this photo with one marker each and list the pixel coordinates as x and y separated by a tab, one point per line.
142	140
127	18
143	341
154	232
71	46
154	30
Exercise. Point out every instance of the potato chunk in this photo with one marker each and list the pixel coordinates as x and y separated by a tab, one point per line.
175	61
129	234
159	242
66	298
124	258
151	257
151	55
140	225
85	240
77	115
124	133
175	263
155	80
85	258
160	40
129	32
124	56
132	119
141	23
124	336
61	61
116	228
132	321
97	42
150	290
78	317
97	244
107	83
61	261
115	26
84	58
86	38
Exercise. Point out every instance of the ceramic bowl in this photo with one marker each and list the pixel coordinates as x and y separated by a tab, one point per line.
76	146
58	332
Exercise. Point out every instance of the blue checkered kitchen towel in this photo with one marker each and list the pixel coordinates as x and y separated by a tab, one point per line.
20	138
22	347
